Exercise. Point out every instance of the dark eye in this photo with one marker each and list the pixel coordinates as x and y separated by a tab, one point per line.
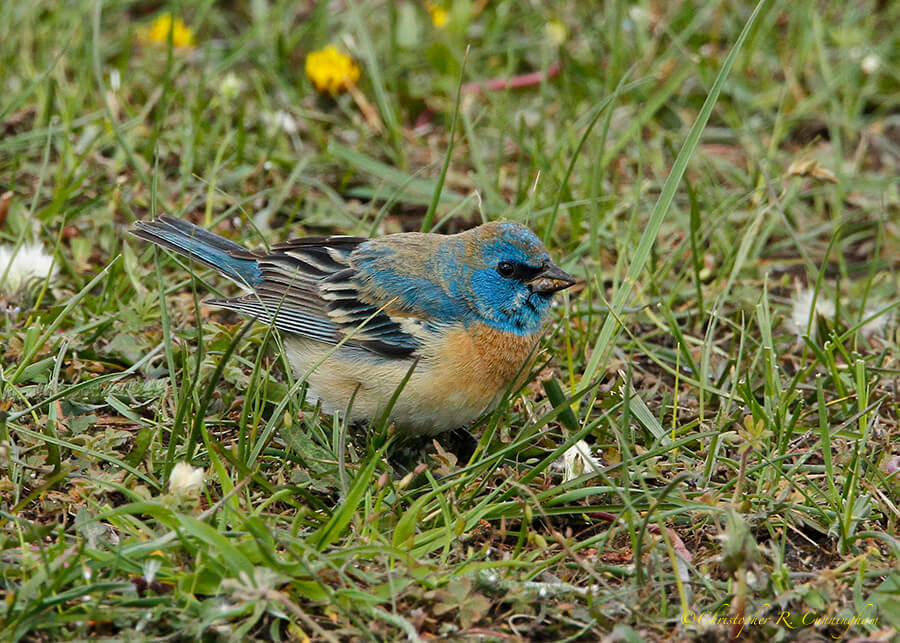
506	269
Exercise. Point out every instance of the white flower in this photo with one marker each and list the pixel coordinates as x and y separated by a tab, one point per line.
577	460
803	316
870	64
875	325
261	587
638	15
29	263
151	566
280	120
185	479
231	86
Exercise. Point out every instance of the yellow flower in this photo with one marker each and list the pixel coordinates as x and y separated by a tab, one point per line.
438	14
556	31
182	35
330	70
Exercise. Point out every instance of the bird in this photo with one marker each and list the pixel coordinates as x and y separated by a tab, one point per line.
457	316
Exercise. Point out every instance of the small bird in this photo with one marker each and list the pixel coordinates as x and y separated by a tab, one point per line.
461	314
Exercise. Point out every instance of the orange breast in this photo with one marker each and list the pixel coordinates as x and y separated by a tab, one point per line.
476	365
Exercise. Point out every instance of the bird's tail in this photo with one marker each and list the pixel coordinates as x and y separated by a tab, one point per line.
227	257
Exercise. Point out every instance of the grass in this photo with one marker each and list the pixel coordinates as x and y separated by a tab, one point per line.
706	185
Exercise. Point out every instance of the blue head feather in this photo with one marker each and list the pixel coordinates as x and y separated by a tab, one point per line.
455	278
506	303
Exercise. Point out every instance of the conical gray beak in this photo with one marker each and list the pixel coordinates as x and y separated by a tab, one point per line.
550	280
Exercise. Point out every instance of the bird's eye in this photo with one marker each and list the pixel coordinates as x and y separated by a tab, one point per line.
506	269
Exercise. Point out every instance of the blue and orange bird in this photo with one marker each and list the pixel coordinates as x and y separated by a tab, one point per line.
464	311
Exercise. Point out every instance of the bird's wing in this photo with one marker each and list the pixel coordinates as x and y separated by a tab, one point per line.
308	288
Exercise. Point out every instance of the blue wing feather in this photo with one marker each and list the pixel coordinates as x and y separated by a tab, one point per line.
308	288
305	287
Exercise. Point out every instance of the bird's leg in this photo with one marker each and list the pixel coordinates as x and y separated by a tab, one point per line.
461	443
406	454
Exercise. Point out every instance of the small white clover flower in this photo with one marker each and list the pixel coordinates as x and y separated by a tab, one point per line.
875	325
262	587
577	460
280	121
231	86
638	15
870	64
803	316
23	266
150	568
185	479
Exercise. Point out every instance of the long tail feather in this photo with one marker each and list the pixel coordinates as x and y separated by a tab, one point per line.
227	257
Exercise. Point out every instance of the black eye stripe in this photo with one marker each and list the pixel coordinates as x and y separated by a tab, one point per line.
517	270
527	273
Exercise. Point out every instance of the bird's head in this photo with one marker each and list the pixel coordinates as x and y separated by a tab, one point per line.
510	279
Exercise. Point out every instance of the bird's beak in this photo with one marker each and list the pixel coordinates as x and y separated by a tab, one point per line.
550	280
